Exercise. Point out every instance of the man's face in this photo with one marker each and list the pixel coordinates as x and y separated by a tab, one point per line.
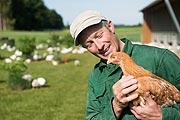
100	40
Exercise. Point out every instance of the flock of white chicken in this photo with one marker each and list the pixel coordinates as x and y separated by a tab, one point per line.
174	47
48	56
35	82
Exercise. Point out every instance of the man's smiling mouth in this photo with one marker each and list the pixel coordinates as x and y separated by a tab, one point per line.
105	51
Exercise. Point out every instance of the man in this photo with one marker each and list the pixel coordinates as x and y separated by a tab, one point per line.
107	87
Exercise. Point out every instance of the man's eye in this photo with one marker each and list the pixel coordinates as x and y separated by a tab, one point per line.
88	45
99	35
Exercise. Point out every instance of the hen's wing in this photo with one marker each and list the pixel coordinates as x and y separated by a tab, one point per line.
164	93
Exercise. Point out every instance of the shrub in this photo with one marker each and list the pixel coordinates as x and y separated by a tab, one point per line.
15	71
26	45
14	66
54	40
67	40
15	82
11	42
57	57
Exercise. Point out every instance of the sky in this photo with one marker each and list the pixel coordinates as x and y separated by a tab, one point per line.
127	12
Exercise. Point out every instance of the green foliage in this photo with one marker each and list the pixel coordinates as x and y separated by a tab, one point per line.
54	40
15	81
34	15
52	20
4	7
57	57
11	42
14	66
5	54
26	45
67	40
15	71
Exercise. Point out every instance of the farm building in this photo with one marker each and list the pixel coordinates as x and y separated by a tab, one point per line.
161	24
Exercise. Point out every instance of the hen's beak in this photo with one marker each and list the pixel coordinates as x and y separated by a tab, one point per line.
109	61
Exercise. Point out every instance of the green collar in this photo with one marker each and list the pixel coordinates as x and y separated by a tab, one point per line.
128	47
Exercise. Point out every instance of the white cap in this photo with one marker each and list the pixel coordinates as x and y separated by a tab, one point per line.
84	20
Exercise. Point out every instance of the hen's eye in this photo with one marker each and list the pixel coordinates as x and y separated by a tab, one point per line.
114	57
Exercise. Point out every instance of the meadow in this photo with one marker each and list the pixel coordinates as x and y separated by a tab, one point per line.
64	96
132	33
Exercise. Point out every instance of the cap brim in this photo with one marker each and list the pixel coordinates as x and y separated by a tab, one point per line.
84	26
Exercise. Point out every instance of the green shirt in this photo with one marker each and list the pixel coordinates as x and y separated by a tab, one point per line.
161	62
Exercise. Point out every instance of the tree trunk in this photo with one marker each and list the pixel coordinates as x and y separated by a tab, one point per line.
4	10
1	27
4	23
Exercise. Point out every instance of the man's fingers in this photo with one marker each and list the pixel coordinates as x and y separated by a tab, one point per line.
129	89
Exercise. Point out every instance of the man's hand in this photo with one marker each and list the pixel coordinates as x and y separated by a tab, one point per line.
121	89
151	111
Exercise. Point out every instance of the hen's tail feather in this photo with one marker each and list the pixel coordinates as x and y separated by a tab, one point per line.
171	88
177	97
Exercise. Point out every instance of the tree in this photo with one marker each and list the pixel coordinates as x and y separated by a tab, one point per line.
54	21
4	11
34	15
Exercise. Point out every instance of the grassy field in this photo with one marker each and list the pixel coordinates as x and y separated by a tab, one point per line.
64	96
62	99
41	35
132	33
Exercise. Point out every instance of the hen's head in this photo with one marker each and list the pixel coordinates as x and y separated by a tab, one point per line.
119	58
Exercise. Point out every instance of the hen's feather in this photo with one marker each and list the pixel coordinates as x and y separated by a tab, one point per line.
163	92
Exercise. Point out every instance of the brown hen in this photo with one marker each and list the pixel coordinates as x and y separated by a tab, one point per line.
161	91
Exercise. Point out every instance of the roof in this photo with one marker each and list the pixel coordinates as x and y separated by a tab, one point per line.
151	5
155	3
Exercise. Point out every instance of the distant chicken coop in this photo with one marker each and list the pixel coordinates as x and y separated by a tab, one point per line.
161	24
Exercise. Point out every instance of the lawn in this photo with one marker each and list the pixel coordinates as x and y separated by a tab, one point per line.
64	96
132	33
40	35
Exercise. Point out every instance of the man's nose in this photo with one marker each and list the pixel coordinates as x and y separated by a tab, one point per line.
98	44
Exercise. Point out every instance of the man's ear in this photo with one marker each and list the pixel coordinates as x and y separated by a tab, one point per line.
111	26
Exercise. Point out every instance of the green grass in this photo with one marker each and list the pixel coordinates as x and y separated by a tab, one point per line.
62	99
39	35
65	94
132	33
